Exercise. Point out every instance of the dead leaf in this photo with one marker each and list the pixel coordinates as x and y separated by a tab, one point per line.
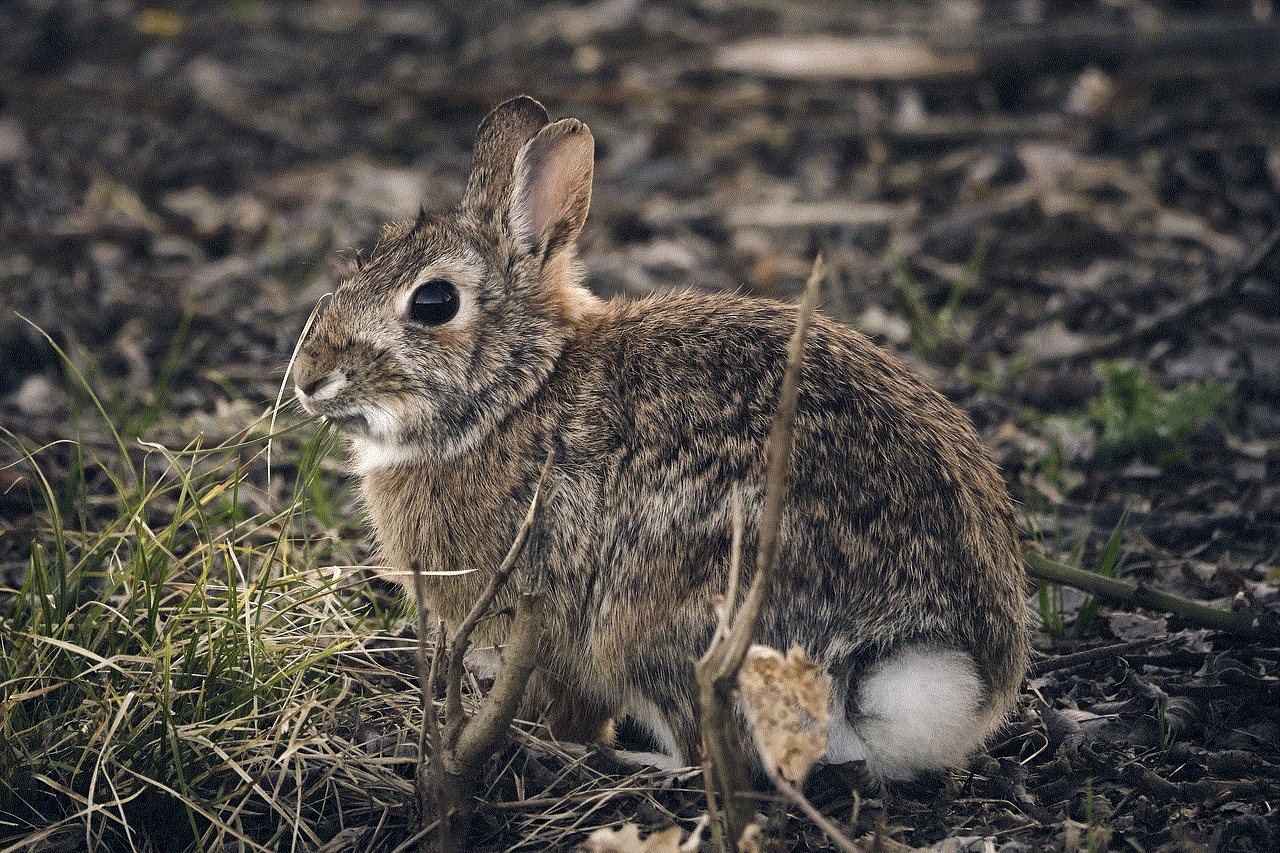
628	840
752	840
1055	340
810	214
1175	223
1134	626
786	703
831	58
1091	93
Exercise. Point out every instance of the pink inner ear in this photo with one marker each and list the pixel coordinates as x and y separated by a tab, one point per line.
550	175
548	194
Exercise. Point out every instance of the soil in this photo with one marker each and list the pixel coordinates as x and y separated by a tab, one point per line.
1065	217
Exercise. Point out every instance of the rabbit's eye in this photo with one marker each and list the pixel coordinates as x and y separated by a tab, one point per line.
434	303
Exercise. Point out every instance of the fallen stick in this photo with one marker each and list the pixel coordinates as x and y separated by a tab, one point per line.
1077	40
1057	662
1242	624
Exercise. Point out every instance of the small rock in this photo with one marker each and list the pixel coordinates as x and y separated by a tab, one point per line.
13	140
1091	93
206	213
39	397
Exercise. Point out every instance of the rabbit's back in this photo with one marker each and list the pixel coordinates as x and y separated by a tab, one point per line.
897	527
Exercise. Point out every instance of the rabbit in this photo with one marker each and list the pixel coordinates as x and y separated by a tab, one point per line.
467	349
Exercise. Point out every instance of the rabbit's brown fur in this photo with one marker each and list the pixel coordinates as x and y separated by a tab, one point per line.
899	566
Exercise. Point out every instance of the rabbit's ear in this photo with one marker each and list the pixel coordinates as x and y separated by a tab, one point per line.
500	137
551	187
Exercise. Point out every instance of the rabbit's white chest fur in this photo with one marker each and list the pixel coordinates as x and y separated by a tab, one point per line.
368	455
899	568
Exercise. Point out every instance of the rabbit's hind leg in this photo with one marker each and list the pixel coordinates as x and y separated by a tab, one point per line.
578	716
671	724
919	709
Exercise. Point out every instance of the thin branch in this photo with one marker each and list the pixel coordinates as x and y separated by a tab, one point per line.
467	742
432	727
724	769
1058	662
777	479
519	656
735	565
712	754
462	639
796	796
426	682
1244	623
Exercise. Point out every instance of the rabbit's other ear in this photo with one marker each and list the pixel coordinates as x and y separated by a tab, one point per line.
501	135
551	187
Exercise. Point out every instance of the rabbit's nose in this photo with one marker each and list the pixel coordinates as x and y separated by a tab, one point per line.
320	387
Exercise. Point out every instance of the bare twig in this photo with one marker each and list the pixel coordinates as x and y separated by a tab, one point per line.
709	756
426	692
717	671
467	742
1057	662
1243	624
796	796
462	638
431	727
478	737
735	566
519	656
777	477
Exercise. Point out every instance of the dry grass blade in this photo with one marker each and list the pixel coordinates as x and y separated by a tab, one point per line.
288	371
183	656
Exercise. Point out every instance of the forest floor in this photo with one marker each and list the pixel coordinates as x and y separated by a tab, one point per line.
1063	215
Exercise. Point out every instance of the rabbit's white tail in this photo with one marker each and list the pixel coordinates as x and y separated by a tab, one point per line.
920	709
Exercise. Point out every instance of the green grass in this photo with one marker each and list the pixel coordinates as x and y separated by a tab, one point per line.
1135	418
936	334
183	667
1049	600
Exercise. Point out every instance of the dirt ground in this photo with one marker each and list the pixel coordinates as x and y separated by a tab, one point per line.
1063	214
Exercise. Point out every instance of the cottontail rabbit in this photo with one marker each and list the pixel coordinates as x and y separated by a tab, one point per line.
467	348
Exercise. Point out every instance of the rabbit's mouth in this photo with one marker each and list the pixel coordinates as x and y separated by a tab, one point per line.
352	423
